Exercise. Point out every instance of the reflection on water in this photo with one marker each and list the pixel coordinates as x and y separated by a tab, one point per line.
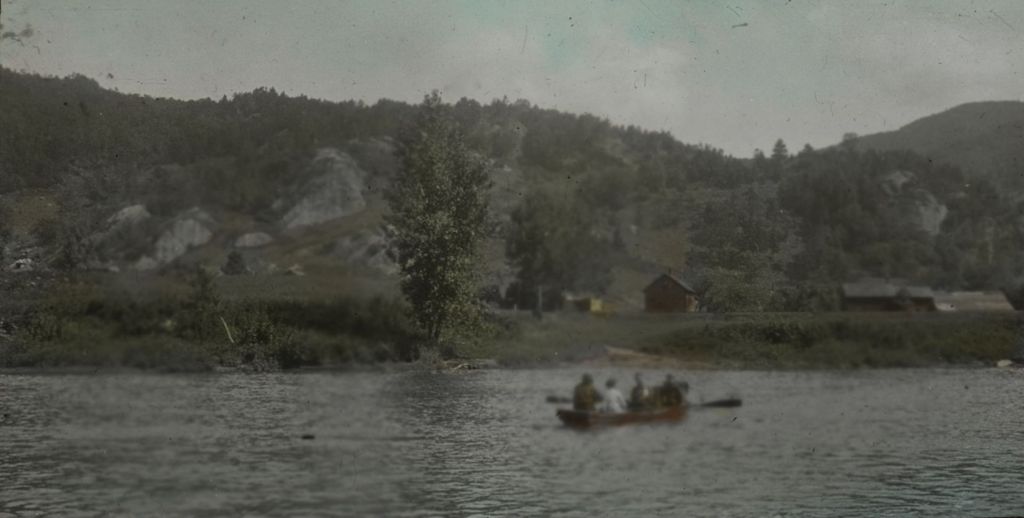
877	443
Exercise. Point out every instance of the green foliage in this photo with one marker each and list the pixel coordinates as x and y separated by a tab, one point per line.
45	325
438	212
80	329
552	245
235	264
843	216
859	214
377	320
841	340
260	342
5	234
740	251
202	310
748	288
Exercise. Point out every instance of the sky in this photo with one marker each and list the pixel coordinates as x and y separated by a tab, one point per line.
736	75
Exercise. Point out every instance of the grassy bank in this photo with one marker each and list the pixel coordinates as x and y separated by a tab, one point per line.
769	340
193	328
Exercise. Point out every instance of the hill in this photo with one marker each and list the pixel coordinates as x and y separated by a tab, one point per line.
289	189
985	139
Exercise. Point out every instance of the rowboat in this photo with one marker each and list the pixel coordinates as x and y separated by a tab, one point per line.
585	419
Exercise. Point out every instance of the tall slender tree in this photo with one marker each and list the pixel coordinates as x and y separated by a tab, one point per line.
439	214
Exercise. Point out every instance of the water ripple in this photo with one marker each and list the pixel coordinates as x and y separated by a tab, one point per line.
868	443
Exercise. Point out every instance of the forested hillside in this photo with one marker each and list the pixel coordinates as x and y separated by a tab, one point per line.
578	203
986	139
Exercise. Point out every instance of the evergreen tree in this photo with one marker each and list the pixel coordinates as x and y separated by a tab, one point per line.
438	214
779	151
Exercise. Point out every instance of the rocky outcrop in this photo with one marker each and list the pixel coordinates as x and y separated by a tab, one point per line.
253	240
22	265
930	213
146	263
893	182
188	230
122	220
379	158
336	192
129	215
927	211
367	248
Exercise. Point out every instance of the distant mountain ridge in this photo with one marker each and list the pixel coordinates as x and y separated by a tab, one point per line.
984	139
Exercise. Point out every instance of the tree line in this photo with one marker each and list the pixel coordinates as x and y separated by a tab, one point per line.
774	231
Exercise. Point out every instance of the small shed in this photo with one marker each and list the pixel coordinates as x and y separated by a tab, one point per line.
879	295
972	301
915	298
669	294
586	303
868	295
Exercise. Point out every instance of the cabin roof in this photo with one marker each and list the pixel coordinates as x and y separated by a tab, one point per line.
674	279
917	292
972	301
872	288
869	290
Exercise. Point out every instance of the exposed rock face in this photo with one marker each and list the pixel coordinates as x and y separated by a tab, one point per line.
129	215
893	182
931	213
22	265
146	263
253	240
367	248
190	229
378	157
333	194
927	210
122	220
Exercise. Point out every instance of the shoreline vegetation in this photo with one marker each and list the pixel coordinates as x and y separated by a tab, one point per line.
199	332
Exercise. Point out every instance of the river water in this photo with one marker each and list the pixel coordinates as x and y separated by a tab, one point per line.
484	443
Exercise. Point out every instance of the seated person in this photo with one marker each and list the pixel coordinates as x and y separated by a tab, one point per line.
640	396
585	396
614	402
669	394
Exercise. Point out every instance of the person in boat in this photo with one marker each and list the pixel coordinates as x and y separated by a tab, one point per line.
640	396
669	394
585	397
614	401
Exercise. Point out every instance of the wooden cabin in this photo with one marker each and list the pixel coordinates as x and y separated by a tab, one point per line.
984	301
877	295
669	294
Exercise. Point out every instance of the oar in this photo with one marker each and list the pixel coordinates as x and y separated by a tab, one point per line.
732	402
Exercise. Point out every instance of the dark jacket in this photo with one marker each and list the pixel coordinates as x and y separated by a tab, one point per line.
585	397
669	395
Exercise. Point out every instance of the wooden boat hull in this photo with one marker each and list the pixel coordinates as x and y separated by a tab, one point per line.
584	419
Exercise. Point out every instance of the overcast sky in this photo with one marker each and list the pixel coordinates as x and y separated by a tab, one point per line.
733	74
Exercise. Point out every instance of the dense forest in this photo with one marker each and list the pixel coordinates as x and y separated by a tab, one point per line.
776	231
